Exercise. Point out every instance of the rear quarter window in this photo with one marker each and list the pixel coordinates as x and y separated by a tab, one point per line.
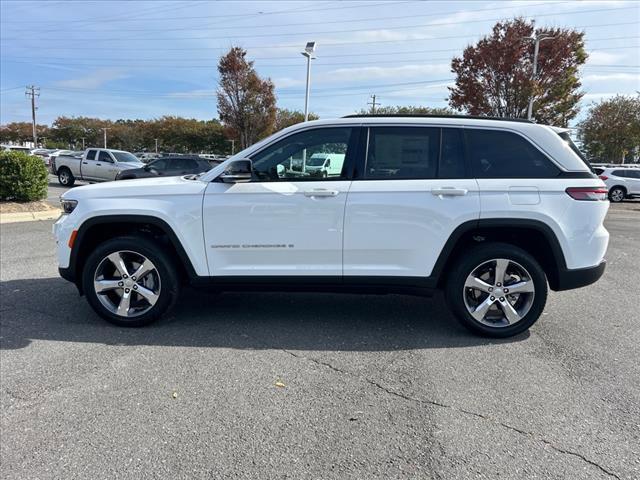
503	154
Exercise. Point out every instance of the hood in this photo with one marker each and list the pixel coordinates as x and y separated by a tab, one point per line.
138	188
129	166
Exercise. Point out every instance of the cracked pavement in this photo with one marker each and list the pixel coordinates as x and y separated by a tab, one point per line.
374	386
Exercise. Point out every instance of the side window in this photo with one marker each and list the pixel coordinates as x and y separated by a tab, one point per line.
104	157
452	154
402	153
91	155
501	154
159	164
186	164
302	156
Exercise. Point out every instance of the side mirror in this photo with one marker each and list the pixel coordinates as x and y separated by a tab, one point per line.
238	171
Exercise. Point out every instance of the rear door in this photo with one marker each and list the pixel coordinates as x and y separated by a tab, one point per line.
411	190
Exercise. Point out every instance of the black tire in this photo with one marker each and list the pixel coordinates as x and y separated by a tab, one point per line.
65	177
617	194
468	262
166	271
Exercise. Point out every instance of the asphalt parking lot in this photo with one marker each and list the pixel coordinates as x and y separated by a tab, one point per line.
316	385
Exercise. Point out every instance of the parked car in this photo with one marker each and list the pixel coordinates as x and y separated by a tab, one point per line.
146	157
167	167
621	181
490	210
15	148
95	165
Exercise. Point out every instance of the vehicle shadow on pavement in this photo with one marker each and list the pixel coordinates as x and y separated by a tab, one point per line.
50	309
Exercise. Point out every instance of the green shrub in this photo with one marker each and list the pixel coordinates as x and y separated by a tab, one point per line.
23	178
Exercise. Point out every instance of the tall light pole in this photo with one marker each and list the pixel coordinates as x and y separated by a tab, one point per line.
309	50
536	38
104	130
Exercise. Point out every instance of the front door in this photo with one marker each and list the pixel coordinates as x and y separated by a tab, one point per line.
288	221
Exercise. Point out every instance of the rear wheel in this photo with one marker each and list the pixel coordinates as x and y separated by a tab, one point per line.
130	281
65	177
617	194
497	290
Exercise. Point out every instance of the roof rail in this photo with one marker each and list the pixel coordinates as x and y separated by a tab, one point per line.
427	115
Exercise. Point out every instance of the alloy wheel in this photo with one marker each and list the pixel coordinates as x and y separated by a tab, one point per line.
498	292
127	283
617	195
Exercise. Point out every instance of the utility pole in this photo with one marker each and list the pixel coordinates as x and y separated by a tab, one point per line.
33	92
104	130
82	142
536	38
156	145
233	146
373	104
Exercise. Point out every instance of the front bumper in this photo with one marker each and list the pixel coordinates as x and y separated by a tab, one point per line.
569	279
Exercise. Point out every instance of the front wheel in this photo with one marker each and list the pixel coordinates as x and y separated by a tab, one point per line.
65	177
497	290
130	281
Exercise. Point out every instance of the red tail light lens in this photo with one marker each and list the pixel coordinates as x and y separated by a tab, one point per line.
603	177
587	193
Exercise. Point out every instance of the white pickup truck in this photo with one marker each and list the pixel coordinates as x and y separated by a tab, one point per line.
95	165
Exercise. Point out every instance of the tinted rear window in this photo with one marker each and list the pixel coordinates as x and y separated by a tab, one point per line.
501	154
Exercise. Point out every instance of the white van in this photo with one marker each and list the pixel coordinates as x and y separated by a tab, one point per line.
325	164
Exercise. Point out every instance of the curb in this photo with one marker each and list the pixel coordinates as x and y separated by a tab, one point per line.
29	216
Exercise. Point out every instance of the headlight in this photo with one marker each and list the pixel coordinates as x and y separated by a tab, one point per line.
68	205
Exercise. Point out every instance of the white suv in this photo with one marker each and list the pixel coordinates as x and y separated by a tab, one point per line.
622	182
488	209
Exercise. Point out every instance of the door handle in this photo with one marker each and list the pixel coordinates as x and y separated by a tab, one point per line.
86	163
98	164
321	192
449	191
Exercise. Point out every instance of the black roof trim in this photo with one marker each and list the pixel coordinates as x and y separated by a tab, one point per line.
425	115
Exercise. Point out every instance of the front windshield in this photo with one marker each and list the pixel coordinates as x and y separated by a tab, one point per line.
125	157
316	161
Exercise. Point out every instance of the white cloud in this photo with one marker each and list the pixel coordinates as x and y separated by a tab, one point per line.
402	72
607	77
285	82
95	79
198	93
598	57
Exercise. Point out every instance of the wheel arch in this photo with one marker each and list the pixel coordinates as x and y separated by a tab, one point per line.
533	236
96	230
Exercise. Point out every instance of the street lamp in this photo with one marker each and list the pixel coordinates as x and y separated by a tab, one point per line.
536	38
309	53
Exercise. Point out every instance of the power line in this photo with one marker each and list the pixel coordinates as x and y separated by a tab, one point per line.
234	15
355	20
102	59
256	47
352	30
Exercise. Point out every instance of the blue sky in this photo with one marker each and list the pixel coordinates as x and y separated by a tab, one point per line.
145	59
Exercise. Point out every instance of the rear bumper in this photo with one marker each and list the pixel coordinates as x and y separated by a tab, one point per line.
579	277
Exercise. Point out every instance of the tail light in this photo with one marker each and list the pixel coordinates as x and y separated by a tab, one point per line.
587	193
603	177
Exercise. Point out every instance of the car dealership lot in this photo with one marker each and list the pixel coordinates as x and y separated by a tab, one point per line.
316	385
